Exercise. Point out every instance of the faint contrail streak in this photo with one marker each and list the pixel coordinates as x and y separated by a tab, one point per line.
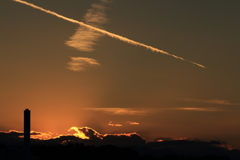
124	39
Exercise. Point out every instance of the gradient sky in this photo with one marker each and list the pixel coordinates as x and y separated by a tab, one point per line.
168	97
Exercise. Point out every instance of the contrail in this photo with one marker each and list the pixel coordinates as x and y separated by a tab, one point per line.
121	38
84	38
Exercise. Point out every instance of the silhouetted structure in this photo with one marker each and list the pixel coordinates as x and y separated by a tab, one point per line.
27	132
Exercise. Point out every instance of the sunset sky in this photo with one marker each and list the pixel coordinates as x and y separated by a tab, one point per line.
70	76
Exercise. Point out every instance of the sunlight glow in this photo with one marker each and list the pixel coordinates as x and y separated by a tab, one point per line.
159	140
43	136
79	133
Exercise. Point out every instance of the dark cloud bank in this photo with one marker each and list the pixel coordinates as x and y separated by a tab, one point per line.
114	146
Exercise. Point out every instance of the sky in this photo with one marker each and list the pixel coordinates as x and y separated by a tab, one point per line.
70	75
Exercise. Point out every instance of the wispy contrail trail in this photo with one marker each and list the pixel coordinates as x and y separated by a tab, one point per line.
124	39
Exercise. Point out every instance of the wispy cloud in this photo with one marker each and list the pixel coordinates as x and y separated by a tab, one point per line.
211	101
199	109
84	38
122	111
114	124
119	125
42	135
89	133
132	123
81	63
121	38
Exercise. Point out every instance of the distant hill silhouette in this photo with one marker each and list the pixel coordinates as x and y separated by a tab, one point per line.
80	151
119	146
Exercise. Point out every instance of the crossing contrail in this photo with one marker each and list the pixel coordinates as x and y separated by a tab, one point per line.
121	38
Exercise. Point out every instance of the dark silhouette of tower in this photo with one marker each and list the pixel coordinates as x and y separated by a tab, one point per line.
27	132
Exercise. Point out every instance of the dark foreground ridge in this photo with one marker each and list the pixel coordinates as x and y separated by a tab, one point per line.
79	151
121	146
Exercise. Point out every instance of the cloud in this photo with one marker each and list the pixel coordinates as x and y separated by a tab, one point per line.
122	111
119	125
84	38
33	135
121	38
109	138
114	124
81	63
42	135
211	101
127	138
160	147
199	109
11	133
132	123
82	134
88	133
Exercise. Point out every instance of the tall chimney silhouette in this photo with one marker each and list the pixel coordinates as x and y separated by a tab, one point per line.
27	132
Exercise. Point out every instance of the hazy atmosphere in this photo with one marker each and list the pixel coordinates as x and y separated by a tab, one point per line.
158	68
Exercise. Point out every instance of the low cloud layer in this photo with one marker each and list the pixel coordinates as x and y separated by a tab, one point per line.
211	101
120	125
160	147
123	111
119	138
114	124
200	109
132	123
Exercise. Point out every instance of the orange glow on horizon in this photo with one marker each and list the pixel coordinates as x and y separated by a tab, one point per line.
11	131
51	135
82	131
38	135
79	133
160	140
43	136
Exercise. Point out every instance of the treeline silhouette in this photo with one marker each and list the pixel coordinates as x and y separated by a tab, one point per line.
113	147
80	151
